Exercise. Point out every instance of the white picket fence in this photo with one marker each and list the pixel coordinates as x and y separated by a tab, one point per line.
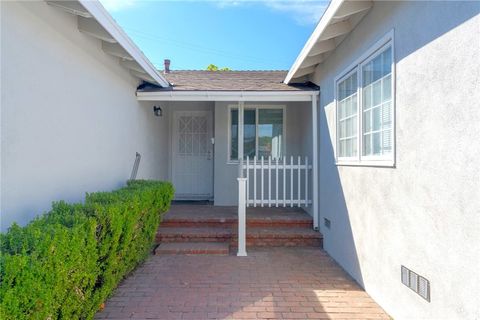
277	182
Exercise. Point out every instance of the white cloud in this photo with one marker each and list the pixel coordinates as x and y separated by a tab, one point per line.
118	5
304	12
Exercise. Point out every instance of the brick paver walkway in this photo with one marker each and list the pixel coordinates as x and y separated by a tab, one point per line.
271	283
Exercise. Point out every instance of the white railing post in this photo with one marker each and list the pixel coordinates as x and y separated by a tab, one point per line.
242	250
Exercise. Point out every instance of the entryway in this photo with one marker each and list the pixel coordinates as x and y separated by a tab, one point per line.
206	229
192	155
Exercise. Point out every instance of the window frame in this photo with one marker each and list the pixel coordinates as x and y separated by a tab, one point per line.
255	107
337	139
371	53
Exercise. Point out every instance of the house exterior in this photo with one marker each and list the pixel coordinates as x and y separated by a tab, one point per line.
94	101
70	120
399	180
372	131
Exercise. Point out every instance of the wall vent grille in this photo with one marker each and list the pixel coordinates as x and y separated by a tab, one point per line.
416	282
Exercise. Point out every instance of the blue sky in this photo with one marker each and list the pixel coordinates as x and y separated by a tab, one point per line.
239	34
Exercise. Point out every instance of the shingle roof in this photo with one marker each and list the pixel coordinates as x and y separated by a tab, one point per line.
200	80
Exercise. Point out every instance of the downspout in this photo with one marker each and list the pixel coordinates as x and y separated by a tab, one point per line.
315	164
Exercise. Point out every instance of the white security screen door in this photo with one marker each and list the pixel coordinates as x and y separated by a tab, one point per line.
192	161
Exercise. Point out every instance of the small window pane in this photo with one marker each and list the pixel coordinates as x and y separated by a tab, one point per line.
249	133
367	74
270	132
377	93
377	68
367	97
367	144
387	141
377	147
377	119
347	116
367	121
234	134
387	88
348	148
347	87
387	61
353	105
386	115
343	129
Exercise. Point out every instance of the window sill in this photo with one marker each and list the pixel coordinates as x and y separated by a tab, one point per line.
367	163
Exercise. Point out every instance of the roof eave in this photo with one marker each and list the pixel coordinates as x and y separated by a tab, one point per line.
95	21
334	24
105	19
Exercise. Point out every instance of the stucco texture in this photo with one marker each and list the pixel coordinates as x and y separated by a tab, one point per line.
423	213
70	121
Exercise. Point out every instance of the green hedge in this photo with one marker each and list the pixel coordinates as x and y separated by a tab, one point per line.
65	264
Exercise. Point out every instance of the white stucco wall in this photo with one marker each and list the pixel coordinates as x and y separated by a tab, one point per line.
298	134
70	122
425	212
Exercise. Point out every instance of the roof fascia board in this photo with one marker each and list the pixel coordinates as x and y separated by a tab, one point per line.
227	95
96	9
322	25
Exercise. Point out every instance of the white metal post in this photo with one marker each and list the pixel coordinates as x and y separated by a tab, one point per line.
242	185
242	246
315	195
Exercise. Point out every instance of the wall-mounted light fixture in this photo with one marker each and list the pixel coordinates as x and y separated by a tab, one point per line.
157	111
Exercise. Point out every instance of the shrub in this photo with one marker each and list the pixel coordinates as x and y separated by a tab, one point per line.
64	264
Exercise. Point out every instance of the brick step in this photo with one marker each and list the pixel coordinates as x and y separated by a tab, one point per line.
256	236
175	222
281	237
193	248
193	234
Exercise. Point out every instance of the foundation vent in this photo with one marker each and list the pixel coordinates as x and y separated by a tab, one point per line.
416	282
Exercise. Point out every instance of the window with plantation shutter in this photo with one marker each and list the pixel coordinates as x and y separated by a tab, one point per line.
365	109
377	104
347	117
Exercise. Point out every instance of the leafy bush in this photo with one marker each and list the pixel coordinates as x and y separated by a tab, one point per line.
64	264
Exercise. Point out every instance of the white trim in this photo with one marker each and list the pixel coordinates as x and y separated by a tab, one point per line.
255	107
101	15
257	96
315	171
337	139
338	10
379	47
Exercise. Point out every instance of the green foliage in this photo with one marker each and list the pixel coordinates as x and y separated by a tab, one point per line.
64	264
212	67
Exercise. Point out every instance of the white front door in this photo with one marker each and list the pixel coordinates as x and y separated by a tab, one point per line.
192	156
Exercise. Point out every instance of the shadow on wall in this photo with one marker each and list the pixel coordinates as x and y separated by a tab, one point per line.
437	19
336	209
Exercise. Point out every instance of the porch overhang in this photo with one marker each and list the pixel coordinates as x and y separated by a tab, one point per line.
306	95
